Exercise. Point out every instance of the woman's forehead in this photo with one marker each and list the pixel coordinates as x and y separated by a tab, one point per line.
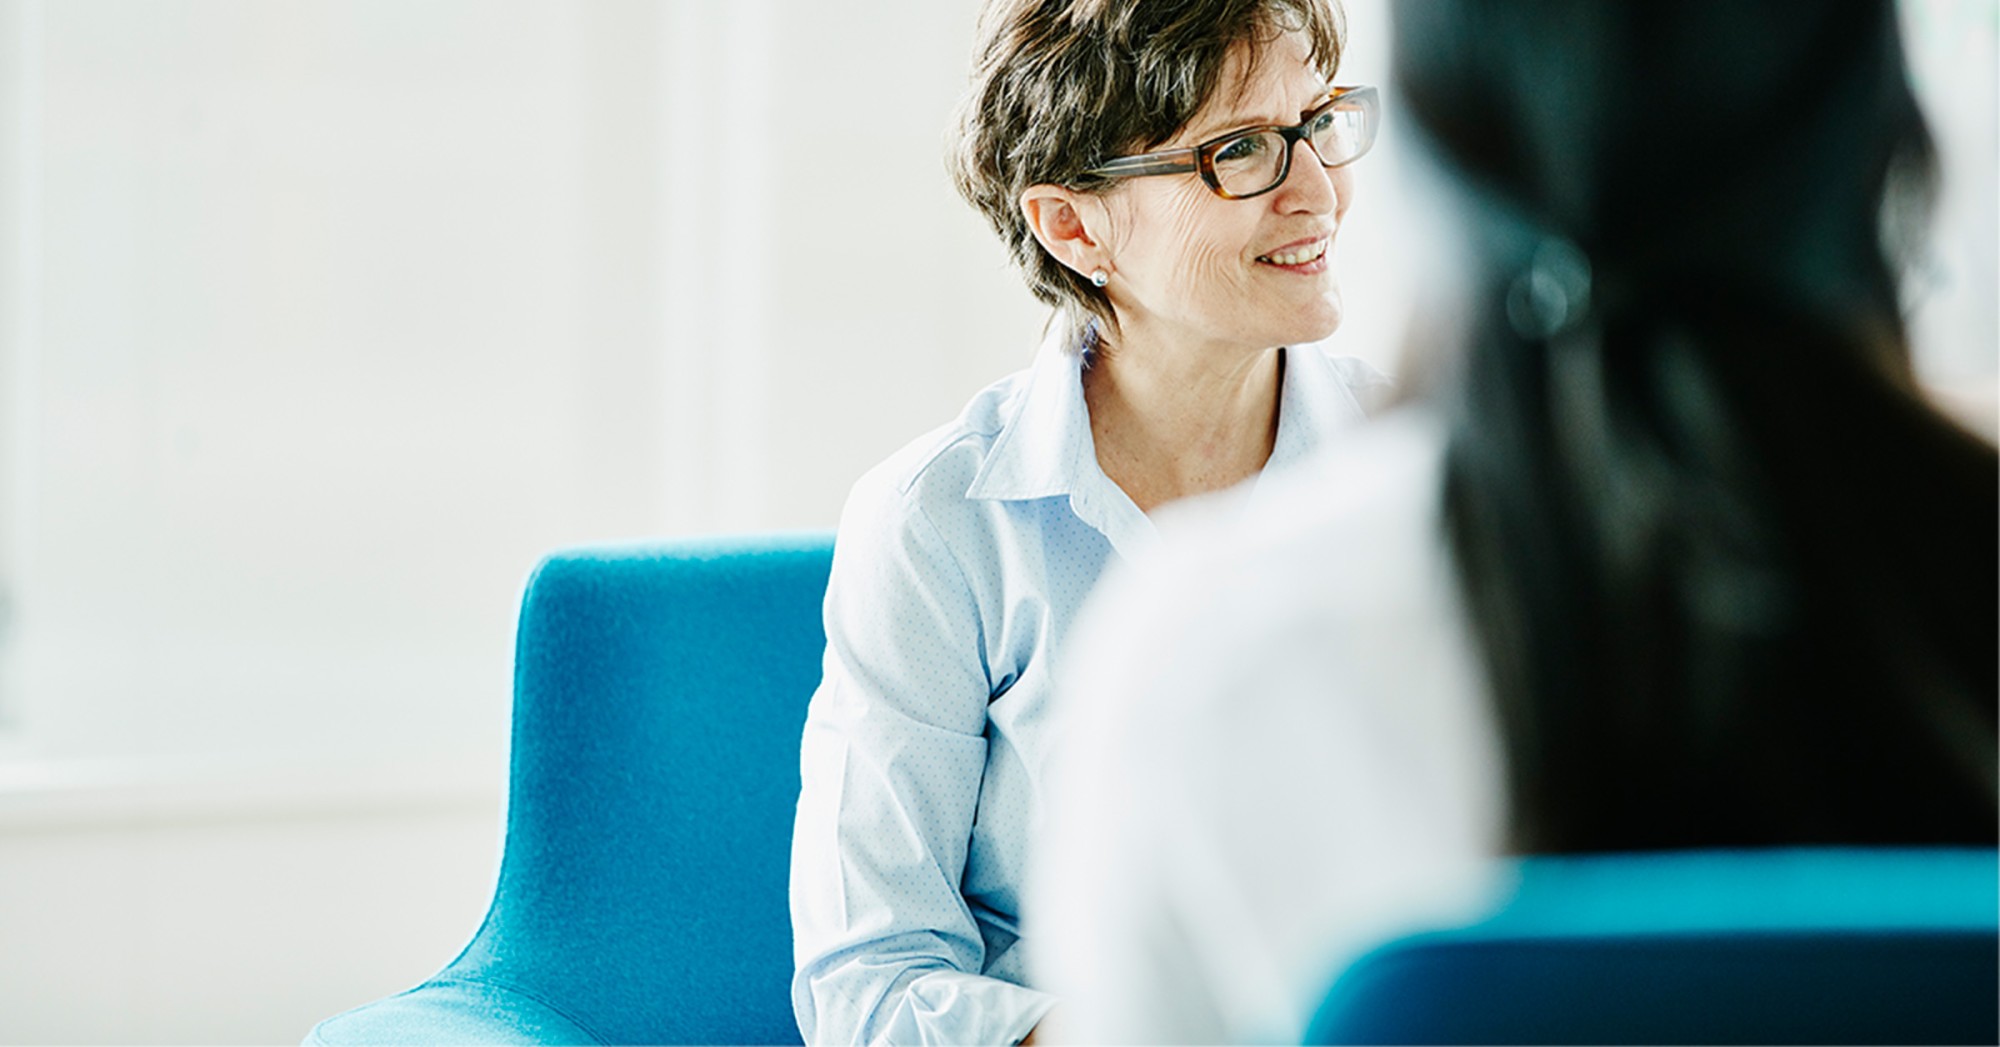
1281	107
1274	83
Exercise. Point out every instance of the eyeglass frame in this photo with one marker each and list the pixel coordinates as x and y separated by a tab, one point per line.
1201	158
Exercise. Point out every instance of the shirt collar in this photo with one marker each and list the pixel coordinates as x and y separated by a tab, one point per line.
1045	449
1314	402
1045	441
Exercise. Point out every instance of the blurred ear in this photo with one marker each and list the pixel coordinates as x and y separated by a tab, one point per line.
1069	225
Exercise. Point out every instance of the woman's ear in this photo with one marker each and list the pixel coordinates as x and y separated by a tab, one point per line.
1069	225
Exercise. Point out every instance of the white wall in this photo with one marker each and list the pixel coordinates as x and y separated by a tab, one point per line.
232	908
351	310
1954	49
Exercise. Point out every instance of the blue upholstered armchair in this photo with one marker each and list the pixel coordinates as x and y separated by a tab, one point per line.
659	696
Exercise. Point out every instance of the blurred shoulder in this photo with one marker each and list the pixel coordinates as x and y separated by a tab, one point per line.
1373	389
1376	492
1283	710
1327	572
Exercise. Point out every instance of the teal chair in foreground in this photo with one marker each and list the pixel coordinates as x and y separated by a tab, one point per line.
1861	946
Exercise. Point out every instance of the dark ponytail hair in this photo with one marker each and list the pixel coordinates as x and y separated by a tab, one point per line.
1734	581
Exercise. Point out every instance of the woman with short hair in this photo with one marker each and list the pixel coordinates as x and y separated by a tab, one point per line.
1171	176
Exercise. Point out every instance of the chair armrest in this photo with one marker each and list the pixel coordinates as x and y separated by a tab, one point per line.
451	1012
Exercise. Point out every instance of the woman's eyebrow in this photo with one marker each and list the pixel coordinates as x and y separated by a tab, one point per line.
1219	127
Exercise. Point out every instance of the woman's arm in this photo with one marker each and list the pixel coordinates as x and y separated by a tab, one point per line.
886	947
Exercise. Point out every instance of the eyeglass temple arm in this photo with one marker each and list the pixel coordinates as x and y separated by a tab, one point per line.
1176	162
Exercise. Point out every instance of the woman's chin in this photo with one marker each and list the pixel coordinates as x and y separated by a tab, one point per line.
1319	320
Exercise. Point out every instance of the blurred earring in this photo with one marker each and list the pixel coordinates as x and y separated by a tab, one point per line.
1099	278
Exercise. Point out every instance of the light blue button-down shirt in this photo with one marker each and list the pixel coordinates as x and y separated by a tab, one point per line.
958	568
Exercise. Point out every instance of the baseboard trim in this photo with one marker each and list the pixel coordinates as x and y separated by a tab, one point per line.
54	795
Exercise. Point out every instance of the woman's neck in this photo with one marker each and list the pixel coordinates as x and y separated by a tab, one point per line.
1169	424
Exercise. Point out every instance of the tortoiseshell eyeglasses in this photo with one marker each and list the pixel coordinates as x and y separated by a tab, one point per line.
1255	160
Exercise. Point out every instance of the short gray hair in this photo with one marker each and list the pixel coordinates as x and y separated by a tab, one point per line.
1060	86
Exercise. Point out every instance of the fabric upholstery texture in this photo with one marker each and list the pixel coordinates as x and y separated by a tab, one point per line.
452	1012
660	692
1777	946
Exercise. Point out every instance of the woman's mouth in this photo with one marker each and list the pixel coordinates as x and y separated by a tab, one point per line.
1305	257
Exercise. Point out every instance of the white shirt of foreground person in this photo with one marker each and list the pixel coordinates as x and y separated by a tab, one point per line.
958	568
1279	754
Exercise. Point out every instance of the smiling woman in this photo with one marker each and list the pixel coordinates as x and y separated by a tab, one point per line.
1171	177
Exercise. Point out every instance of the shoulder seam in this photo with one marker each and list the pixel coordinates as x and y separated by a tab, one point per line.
907	480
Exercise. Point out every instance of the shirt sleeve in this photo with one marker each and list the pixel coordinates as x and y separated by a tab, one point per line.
885	946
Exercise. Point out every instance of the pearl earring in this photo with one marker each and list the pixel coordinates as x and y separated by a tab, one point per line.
1099	278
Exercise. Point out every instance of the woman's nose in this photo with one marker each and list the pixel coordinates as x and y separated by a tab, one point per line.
1309	185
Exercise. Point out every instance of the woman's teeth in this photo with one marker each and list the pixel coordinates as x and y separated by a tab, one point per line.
1297	256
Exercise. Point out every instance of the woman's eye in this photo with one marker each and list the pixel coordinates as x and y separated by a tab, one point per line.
1321	123
1241	149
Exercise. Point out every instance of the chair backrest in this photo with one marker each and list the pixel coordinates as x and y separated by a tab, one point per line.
660	692
1777	946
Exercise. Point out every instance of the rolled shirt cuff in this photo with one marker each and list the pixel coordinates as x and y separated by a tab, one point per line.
952	1007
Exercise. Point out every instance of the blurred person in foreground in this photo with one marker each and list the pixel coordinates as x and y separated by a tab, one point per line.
1170	175
1667	553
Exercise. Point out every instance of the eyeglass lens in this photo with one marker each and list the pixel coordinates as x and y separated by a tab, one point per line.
1255	162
